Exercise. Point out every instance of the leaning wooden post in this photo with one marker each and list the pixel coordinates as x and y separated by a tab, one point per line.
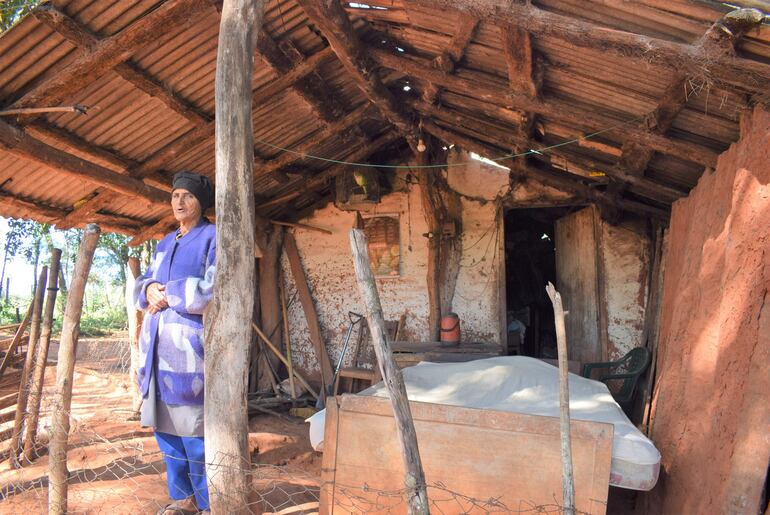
26	372
227	323
38	375
17	338
134	331
567	478
415	478
65	371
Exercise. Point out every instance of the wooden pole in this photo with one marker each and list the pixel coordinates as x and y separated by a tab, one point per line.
38	375
287	340
135	317
65	372
280	356
17	338
568	480
228	335
414	478
26	374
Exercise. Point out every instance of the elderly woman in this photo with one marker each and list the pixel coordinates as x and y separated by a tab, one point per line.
175	292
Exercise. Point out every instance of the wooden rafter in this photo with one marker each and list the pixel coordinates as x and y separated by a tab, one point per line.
111	223
454	52
487	90
717	42
494	131
745	74
18	142
261	97
554	178
311	88
81	37
330	17
348	123
302	186
109	52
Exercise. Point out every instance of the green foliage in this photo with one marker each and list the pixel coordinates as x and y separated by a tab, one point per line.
11	11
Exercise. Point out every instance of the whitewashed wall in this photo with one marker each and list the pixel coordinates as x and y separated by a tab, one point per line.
329	267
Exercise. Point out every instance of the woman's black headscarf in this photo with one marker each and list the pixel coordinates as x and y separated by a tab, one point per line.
198	185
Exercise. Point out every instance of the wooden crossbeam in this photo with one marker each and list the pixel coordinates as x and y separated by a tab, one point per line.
311	88
349	123
81	37
104	56
454	52
330	17
302	186
18	142
555	178
730	72
495	131
488	90
717	42
30	208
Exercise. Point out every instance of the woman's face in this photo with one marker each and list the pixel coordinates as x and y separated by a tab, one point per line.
186	207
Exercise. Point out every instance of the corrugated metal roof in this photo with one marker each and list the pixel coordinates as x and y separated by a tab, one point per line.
125	126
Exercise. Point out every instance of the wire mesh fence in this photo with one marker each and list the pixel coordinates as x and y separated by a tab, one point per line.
115	466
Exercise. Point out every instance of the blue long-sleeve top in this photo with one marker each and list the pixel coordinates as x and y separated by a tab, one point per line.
171	341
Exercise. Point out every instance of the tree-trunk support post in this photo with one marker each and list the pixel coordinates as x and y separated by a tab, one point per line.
416	489
26	372
38	375
567	478
227	324
65	372
135	317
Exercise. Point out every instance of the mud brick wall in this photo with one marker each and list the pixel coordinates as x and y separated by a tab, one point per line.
712	410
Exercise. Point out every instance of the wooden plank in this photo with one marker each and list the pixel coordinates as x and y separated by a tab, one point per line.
472	477
576	278
306	299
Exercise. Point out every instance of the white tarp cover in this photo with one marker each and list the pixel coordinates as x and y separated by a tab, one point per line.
526	385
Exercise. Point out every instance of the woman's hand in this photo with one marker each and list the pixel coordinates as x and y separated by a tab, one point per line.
156	298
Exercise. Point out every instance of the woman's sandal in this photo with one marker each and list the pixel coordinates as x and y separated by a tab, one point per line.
175	509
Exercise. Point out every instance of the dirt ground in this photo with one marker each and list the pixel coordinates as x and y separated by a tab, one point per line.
115	464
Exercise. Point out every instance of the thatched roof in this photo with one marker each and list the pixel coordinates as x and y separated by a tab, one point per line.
665	82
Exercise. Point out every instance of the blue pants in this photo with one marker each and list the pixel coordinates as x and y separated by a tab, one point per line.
185	467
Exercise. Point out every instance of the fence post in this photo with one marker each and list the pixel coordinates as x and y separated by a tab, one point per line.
29	361
65	371
567	478
391	375
135	317
38	374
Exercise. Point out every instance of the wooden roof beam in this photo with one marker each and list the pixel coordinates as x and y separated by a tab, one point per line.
81	37
349	122
554	178
330	17
488	91
262	96
109	52
18	142
45	213
727	71
304	185
311	88
493	131
718	41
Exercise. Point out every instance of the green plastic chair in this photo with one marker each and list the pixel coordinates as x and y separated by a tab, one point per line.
627	369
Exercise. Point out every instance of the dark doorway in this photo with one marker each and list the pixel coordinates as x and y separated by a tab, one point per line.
530	263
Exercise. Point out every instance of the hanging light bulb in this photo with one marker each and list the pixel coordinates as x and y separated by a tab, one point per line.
421	145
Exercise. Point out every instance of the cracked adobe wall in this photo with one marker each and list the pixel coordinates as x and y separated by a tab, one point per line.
712	406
